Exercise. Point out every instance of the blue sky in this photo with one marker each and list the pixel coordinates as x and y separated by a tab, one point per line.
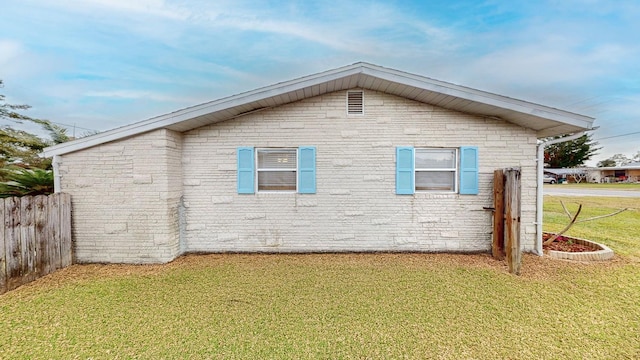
99	64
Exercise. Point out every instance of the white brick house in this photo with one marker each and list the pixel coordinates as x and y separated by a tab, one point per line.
360	158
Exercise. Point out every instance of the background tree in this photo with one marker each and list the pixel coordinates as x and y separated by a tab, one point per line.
20	149
619	160
607	163
570	153
8	111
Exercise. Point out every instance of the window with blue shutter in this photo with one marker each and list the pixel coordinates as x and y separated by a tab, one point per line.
437	170
307	170
276	170
246	170
469	170
405	161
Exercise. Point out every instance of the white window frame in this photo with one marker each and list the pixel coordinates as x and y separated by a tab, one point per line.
258	170
455	170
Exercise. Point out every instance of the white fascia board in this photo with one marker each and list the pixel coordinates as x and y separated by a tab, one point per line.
479	96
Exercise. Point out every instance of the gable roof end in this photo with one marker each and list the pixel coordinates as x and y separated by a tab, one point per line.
546	121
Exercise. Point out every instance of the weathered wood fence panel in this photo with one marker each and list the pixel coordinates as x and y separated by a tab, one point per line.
3	253
506	218
497	248
35	239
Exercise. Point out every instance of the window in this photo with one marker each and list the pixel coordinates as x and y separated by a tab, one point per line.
436	170
276	170
355	102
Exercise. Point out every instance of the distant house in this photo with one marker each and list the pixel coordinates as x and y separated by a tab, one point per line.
359	158
576	175
624	173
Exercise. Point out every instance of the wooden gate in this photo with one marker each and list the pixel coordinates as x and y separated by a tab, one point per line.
35	239
506	218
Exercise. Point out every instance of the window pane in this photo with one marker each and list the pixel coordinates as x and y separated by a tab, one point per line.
435	159
435	180
277	159
277	180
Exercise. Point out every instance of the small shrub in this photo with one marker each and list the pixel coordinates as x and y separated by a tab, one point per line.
23	182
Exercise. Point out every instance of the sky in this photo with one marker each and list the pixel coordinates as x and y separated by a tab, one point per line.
93	65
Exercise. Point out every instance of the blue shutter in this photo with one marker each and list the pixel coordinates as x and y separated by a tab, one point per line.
469	170
307	170
405	161
245	170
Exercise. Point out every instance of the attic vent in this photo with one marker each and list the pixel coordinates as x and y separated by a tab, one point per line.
355	102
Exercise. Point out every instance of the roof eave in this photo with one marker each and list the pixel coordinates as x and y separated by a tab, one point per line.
576	122
568	122
166	120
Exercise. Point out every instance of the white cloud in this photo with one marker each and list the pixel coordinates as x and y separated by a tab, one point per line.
546	64
293	29
139	94
158	8
9	51
185	52
18	63
347	27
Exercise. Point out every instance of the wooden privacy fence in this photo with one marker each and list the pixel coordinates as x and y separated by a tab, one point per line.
36	238
506	218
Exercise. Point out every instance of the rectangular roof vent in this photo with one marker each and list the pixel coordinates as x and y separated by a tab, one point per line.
355	102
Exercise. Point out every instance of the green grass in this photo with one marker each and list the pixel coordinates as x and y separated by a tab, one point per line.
620	232
616	186
339	306
327	306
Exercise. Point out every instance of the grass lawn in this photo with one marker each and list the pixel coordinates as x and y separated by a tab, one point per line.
343	306
620	186
620	232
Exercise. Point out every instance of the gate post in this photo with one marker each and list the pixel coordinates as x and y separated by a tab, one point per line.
512	220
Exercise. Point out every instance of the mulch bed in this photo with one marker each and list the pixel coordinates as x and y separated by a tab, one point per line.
566	244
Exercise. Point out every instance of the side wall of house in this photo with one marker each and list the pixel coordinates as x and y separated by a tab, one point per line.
355	207
125	199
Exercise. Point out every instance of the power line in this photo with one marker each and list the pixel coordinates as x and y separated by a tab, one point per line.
72	126
616	136
62	124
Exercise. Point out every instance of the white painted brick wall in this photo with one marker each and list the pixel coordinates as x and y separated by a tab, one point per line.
355	207
126	194
125	198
